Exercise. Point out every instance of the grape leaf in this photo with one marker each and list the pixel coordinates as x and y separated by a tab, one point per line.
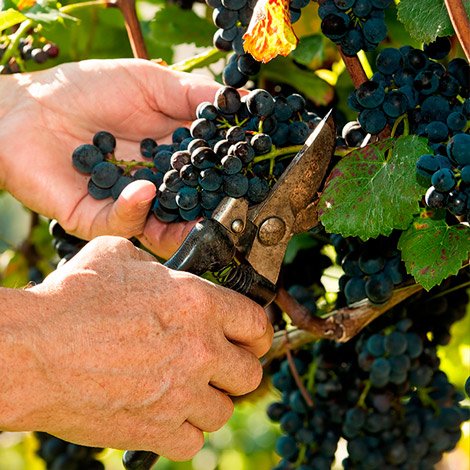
283	70
433	250
373	190
308	49
171	25
9	18
425	20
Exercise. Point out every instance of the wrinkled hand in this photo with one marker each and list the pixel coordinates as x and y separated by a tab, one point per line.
133	364
46	115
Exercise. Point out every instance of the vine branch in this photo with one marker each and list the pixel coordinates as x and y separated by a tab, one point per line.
355	69
134	31
460	22
341	325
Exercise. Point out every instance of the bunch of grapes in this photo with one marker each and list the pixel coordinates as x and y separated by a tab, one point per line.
232	17
371	269
66	245
62	455
448	173
32	47
237	147
383	392
354	24
409	82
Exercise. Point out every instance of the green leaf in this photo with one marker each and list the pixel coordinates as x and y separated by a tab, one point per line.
373	190
9	18
425	20
283	70
433	250
172	25
308	49
198	61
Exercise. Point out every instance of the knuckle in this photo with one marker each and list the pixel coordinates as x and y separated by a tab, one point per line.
254	376
260	323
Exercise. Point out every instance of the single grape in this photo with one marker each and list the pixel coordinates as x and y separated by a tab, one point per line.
105	141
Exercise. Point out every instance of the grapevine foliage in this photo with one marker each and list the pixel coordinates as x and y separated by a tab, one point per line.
394	209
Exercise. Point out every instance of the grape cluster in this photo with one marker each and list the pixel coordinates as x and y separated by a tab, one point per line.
371	269
448	173
383	392
62	455
38	50
237	147
232	18
408	81
354	24
65	244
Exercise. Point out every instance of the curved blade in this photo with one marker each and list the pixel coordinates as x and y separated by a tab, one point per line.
288	207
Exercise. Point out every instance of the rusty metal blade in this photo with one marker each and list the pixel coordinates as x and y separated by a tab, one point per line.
277	216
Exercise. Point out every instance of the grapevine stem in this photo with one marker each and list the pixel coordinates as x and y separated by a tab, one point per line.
460	22
341	325
362	399
15	40
134	31
295	374
355	69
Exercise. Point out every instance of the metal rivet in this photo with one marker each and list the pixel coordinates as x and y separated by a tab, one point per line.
237	226
272	231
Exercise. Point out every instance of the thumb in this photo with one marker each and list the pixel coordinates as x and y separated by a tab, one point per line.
128	214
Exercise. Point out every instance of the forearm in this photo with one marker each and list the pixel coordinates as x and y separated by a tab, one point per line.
21	397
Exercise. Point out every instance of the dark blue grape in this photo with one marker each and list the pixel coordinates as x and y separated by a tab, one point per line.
179	134
98	193
227	100
458	149
437	131
203	129
298	132
438	49
435	198
260	103
203	158
85	157
172	180
261	143
443	180
335	25
395	104
352	42
187	198
119	185
206	110
374	30
379	288
231	165
258	189
224	18
247	65
235	185
286	447
105	174
210	179
372	120
355	290
456	121
210	200
105	141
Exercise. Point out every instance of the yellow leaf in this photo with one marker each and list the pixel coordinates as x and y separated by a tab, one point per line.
270	31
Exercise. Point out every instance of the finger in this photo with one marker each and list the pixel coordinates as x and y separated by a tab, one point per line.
182	91
211	411
128	214
185	443
245	323
164	239
239	371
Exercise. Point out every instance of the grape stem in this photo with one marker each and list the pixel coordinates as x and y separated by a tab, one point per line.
460	22
129	165
341	325
295	374
278	152
134	31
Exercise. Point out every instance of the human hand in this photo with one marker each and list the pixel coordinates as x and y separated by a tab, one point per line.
50	113
134	364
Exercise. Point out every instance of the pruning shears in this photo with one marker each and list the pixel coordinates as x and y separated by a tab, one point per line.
248	243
